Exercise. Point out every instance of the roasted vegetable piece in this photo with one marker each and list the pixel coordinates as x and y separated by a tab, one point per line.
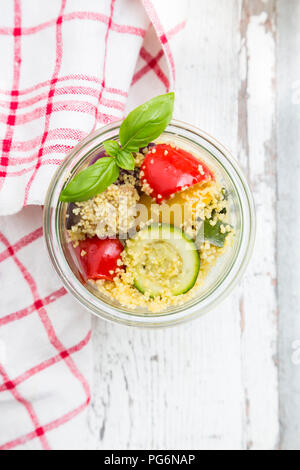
99	257
169	170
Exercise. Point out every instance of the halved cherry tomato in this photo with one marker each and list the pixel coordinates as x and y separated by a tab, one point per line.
100	257
169	170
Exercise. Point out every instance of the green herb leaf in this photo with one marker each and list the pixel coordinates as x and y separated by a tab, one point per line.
213	234
125	159
141	126
111	147
91	181
146	122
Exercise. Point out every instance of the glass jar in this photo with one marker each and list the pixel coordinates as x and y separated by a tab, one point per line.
221	278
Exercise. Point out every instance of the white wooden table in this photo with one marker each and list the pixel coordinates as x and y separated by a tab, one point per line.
215	383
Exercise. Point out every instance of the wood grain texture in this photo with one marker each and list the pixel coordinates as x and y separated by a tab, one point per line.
213	383
288	211
257	154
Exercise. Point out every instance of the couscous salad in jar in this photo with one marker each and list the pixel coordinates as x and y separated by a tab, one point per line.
147	219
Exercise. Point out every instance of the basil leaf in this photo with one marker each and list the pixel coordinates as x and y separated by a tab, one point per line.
111	147
141	126
213	234
125	160
146	122
91	181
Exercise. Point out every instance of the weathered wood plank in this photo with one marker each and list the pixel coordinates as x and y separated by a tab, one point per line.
288	216
211	384
257	154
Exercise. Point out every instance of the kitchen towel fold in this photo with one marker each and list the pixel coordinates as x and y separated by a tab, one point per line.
68	67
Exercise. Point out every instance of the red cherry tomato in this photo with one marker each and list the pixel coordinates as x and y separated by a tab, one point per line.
101	256
169	170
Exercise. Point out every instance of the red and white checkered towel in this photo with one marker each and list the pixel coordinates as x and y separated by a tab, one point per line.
67	67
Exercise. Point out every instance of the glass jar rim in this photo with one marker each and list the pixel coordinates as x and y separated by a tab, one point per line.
99	307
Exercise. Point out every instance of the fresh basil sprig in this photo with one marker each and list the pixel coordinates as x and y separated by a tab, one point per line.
124	157
91	181
141	126
146	122
125	160
111	147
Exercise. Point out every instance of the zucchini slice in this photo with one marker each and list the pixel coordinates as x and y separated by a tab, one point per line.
163	260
